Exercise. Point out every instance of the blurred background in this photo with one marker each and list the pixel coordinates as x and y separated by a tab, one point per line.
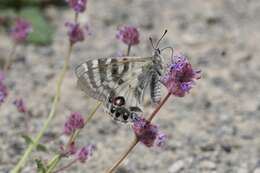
213	129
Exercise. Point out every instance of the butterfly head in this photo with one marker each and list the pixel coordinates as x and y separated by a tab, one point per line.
156	48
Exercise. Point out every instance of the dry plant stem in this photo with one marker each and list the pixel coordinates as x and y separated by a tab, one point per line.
65	167
122	158
150	118
128	50
133	144
54	162
9	60
54	107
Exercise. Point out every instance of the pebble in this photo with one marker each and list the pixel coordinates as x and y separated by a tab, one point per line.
207	165
177	166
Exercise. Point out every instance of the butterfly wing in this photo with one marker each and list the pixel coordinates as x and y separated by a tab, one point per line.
100	78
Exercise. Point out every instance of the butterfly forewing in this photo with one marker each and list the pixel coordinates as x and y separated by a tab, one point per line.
102	77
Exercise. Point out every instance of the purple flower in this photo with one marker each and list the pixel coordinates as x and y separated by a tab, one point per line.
148	133
181	76
20	105
75	32
74	122
128	35
160	139
85	152
72	149
79	6
21	30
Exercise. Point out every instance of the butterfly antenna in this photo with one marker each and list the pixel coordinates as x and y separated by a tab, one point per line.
151	40
157	44
168	48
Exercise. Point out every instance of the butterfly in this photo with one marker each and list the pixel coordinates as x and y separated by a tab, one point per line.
121	83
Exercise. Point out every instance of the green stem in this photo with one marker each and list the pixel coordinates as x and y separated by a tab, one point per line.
66	166
54	107
54	162
9	60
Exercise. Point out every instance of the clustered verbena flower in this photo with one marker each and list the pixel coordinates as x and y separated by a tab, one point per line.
20	105
74	122
20	31
128	35
3	88
181	76
79	6
75	32
148	133
81	155
85	153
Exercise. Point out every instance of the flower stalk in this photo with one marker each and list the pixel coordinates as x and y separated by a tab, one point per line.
57	158
65	166
9	60
54	108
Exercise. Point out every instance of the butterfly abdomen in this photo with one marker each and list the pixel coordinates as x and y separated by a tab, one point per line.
155	89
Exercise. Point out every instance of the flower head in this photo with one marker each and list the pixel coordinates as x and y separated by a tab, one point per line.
20	105
79	6
75	32
181	76
148	133
74	122
85	152
128	35
20	31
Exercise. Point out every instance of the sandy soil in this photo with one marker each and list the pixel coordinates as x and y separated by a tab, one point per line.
213	129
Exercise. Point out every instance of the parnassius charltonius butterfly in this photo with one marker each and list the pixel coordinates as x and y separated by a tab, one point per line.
121	82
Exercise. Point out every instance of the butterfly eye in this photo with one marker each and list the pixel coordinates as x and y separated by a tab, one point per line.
119	101
158	50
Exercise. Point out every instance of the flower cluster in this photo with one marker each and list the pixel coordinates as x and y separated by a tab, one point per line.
148	133
74	122
79	6
82	154
181	76
128	35
75	32
85	152
3	88
20	105
20	31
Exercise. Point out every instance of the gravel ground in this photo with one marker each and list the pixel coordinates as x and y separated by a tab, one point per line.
213	129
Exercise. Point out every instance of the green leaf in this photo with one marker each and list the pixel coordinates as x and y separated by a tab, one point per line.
27	139
41	147
42	31
40	166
